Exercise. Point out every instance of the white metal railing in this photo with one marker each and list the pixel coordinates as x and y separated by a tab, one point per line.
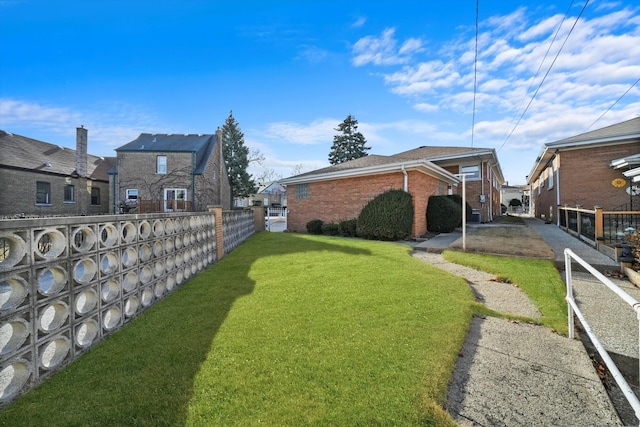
573	308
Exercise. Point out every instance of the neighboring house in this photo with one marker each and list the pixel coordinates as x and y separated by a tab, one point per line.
519	192
340	192
171	172
580	170
43	179
269	194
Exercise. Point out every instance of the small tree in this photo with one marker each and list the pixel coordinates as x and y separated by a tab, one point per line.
236	159
515	202
350	144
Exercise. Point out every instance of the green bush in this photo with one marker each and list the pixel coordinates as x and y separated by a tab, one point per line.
515	202
315	226
330	229
347	227
443	214
458	199
389	216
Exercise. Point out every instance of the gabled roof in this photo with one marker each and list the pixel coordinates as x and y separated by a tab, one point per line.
200	144
372	165
626	132
441	153
21	152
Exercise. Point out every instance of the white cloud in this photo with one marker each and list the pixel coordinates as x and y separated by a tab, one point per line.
318	132
383	50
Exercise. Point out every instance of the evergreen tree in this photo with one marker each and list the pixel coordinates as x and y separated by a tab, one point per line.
350	144
236	158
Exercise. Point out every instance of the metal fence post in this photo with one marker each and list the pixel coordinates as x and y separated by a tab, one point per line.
569	297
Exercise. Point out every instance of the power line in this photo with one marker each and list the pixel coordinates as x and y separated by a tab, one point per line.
475	79
613	105
543	59
546	74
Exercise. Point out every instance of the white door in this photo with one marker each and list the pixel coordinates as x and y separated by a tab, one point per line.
175	199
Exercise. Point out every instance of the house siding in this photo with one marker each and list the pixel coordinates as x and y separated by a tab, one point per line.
583	177
342	199
18	194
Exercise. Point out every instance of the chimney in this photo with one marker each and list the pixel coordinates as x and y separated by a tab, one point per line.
81	151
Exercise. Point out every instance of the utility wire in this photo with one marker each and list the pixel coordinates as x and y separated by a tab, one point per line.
475	79
542	62
546	74
613	105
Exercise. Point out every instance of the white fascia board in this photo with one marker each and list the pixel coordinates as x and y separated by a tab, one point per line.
635	173
461	155
621	139
420	165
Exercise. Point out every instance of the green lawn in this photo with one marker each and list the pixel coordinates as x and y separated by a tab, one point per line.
286	330
539	279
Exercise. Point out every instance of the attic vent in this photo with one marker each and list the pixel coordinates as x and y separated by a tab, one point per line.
199	134
142	147
47	164
186	134
154	139
61	147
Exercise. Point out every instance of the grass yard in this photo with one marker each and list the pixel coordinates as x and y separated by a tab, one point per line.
286	330
537	278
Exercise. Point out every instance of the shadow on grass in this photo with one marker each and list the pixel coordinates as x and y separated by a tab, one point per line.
143	374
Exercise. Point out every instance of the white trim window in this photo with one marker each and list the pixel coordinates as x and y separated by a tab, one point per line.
471	172
132	193
69	194
161	165
43	193
551	173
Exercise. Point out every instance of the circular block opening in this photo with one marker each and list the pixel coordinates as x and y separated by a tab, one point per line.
130	281
168	245
13	378
158	249
128	232
171	282
13	292
129	257
186	256
169	263
178	243
131	306
185	224
86	333
108	235
83	239
85	270
50	244
54	352
53	316
145	253
12	335
86	301
178	260
159	288
51	280
111	318
110	290
158	228
109	262
192	238
179	277
147	297
169	227
146	274
14	250
158	268
144	229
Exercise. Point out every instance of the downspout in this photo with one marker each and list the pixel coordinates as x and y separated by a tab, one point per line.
558	196
113	192
406	180
482	176
193	181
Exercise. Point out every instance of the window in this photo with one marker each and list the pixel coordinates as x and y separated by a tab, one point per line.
69	194
161	164
43	193
551	177
95	196
132	193
302	191
471	172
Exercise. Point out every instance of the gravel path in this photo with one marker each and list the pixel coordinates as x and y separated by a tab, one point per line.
499	296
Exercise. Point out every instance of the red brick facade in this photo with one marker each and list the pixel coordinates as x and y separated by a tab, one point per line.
583	177
342	199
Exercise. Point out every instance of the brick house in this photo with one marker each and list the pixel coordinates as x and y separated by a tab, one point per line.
580	170
43	179
340	192
171	172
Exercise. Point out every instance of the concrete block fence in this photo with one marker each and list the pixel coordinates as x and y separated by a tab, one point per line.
68	282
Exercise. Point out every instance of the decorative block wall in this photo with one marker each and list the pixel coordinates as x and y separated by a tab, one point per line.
67	283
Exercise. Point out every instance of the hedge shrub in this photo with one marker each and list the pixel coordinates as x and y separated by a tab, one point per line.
443	214
389	216
347	227
315	226
330	229
458	199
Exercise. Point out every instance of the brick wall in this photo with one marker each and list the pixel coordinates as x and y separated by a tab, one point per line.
18	194
341	199
585	179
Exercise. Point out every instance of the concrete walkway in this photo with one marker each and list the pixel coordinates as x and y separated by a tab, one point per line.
515	374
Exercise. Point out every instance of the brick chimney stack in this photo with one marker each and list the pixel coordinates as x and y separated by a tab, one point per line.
81	151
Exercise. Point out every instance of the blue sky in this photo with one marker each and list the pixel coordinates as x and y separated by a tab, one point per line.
291	71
